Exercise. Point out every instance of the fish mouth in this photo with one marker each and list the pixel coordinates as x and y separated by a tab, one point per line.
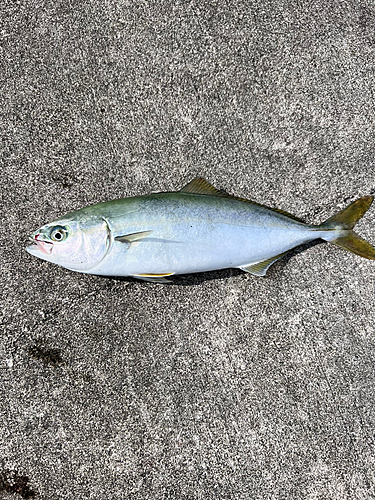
37	244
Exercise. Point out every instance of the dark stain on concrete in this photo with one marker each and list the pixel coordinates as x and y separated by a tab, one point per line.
48	356
12	482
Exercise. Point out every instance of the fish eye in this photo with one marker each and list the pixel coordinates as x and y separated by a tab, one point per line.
58	233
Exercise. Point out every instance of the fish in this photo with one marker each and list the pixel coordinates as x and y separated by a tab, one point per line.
199	228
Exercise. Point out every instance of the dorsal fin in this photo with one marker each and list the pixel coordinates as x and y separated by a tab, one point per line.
283	212
201	186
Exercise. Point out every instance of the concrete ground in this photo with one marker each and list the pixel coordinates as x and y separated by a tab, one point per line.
222	385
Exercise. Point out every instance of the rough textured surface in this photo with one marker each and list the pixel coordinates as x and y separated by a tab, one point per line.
222	386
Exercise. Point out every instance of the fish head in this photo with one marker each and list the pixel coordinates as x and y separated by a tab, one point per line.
78	244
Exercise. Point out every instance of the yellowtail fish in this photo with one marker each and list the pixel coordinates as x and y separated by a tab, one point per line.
198	228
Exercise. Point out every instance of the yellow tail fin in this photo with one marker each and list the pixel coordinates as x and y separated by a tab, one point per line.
346	220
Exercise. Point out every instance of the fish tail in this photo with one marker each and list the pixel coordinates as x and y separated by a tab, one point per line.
340	228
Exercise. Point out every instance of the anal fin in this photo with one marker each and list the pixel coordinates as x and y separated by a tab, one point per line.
260	268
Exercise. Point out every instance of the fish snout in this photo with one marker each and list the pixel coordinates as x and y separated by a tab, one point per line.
40	244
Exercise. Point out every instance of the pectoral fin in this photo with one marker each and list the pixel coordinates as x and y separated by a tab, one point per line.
260	268
154	278
133	237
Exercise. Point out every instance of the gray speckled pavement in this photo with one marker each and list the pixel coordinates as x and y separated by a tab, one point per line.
221	386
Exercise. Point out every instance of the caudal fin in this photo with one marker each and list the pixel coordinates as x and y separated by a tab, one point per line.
346	220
